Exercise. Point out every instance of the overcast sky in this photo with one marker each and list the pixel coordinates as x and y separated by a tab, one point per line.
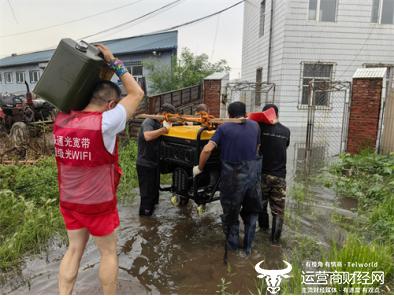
219	36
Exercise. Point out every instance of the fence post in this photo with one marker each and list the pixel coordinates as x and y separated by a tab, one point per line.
309	126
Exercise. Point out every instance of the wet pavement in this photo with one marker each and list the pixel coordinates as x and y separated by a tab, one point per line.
179	252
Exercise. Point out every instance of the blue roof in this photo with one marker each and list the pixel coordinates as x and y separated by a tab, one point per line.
143	43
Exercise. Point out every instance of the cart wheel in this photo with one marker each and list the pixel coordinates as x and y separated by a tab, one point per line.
19	134
201	209
175	200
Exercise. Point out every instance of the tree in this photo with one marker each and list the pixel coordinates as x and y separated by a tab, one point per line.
186	71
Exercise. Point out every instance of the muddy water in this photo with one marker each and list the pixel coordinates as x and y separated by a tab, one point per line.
177	251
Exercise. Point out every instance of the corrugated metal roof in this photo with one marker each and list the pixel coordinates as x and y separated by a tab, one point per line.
160	41
217	76
370	73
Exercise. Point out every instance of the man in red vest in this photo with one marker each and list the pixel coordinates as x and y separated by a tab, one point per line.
88	174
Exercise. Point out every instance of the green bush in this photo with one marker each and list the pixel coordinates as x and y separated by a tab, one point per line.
127	160
356	251
29	211
368	177
36	182
25	227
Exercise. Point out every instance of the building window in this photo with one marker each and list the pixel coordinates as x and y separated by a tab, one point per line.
8	77
135	68
20	77
322	10
262	18
137	71
34	75
321	73
259	77
382	11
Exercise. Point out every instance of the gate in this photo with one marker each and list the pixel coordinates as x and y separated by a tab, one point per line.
253	94
327	121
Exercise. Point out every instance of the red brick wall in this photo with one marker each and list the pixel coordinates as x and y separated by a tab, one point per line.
212	96
364	114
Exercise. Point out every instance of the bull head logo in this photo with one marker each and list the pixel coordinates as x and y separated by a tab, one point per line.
273	278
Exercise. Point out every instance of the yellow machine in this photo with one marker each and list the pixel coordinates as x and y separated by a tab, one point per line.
179	151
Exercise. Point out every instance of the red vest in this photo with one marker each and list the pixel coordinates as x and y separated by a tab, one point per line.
88	175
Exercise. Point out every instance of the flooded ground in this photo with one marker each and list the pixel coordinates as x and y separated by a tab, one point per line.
178	252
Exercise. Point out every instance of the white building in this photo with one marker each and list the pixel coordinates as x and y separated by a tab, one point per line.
290	42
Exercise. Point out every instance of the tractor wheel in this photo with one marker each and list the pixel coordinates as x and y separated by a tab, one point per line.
19	134
28	115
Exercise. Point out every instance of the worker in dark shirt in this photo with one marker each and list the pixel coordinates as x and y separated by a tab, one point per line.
240	191
148	160
275	138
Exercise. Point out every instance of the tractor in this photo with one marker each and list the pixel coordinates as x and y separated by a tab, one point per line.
22	117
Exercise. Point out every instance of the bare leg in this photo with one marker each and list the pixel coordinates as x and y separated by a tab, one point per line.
70	263
108	272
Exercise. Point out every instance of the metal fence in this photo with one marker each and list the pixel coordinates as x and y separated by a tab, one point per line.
327	121
253	94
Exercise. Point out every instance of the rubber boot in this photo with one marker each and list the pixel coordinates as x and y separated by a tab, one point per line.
250	230
264	221
233	237
277	223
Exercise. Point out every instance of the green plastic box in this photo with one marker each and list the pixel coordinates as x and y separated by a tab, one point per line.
71	74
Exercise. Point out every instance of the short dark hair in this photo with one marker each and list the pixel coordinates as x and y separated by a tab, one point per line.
167	108
267	106
105	91
202	108
236	109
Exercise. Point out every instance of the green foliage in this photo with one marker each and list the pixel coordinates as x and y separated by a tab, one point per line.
188	70
29	211
298	192
36	182
369	178
25	227
223	287
356	251
127	159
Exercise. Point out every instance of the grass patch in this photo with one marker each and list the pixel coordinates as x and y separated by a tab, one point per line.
368	177
127	160
298	192
25	227
29	199
356	251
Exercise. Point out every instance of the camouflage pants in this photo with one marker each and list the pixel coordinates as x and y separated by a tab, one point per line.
273	191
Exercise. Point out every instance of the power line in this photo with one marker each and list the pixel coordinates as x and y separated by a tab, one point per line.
198	19
71	21
170	28
133	20
13	12
136	22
